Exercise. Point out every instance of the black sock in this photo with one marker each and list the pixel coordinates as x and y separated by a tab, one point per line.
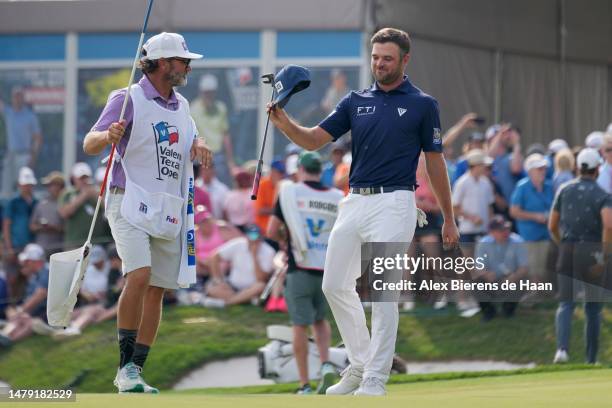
127	338
141	351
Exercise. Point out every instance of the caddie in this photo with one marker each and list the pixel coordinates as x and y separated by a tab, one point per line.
391	123
149	201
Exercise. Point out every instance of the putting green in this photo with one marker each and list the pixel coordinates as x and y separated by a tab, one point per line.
575	389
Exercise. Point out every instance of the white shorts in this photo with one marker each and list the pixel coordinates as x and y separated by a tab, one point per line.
137	249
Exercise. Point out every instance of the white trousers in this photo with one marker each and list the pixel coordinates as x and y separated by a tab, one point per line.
386	217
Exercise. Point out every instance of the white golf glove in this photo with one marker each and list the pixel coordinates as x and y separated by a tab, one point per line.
421	218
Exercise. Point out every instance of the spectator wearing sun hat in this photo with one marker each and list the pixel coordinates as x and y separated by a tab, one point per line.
16	223
530	206
473	197
46	221
532	199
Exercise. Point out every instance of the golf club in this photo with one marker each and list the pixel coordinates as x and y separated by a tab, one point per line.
267	79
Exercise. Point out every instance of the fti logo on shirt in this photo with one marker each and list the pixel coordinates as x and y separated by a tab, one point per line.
365	110
171	220
143	208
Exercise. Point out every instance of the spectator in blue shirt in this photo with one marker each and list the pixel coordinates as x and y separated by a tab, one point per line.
16	223
532	199
505	148
23	136
31	310
505	258
565	164
335	158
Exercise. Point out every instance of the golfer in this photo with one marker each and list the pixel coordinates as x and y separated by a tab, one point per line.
156	143
391	123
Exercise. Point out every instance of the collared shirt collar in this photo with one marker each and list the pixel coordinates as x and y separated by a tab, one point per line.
404	87
151	93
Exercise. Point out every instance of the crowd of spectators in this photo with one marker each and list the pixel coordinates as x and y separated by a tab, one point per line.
502	191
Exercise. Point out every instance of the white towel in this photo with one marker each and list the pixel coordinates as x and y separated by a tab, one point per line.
288	203
187	271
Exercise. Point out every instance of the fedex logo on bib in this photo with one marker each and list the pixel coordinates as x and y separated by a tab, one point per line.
168	159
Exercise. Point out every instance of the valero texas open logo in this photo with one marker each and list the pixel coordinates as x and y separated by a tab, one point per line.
168	159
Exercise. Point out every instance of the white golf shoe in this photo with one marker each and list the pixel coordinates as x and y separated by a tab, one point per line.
128	379
371	386
561	357
351	378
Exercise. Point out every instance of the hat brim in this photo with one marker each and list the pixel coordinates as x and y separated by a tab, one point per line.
283	98
187	55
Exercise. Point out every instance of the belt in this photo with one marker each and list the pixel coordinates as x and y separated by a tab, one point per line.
116	190
378	190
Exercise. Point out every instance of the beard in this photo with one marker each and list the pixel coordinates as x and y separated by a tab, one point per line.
176	79
388	77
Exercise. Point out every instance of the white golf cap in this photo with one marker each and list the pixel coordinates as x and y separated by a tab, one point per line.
535	161
81	169
208	83
32	252
26	177
291	164
97	254
594	140
476	157
556	145
168	45
588	159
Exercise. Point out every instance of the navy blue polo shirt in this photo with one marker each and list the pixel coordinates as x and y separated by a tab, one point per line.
388	131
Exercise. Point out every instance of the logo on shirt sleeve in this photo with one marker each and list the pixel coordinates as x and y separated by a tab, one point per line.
437	139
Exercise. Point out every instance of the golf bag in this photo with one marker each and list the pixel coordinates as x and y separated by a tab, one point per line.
276	360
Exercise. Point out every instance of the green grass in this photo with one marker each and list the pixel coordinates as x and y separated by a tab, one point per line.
571	389
43	362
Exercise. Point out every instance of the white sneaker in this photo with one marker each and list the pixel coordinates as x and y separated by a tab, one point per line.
440	303
212	303
67	332
128	379
408	306
467	313
371	386
351	378
42	328
561	357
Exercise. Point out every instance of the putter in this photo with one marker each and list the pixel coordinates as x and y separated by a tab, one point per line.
266	79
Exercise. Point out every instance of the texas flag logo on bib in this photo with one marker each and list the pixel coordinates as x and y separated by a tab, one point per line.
166	133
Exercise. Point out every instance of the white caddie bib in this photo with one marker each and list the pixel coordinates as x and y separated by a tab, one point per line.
153	162
317	211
